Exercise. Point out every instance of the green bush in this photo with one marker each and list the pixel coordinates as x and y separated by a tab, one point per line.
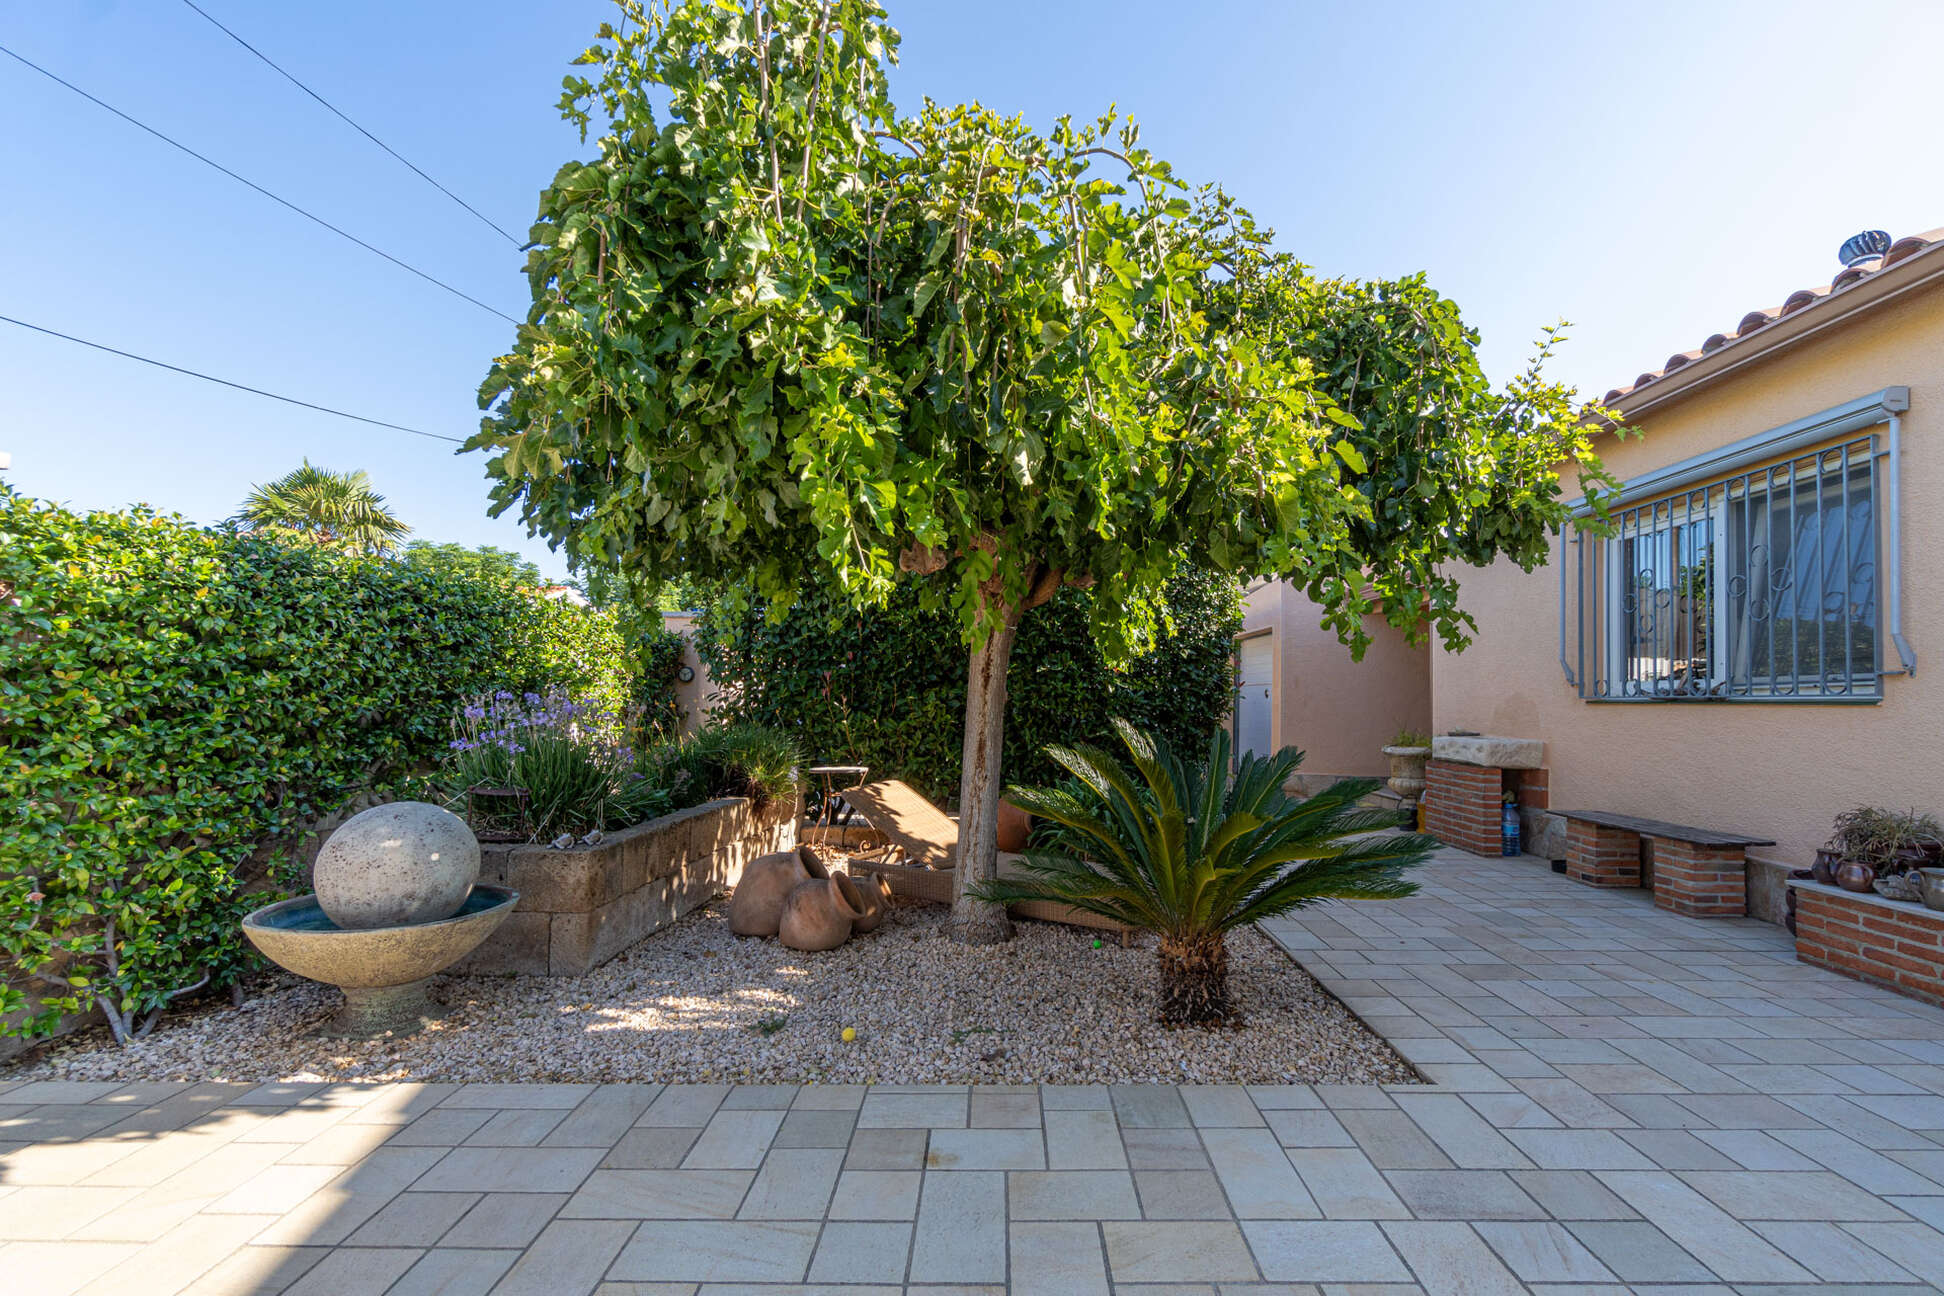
721	759
885	687
177	705
568	755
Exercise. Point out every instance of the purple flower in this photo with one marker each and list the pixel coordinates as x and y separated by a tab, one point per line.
502	696
475	713
532	699
456	745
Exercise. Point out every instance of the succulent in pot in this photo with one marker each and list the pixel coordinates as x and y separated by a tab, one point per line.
1889	844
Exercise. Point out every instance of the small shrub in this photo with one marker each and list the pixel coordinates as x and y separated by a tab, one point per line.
568	755
732	759
1190	849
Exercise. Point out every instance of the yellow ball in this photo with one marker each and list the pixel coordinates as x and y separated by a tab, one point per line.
850	1033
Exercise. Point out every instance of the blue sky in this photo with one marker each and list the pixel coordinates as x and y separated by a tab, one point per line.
1648	171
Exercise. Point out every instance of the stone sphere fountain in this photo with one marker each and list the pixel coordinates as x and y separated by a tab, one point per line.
396	902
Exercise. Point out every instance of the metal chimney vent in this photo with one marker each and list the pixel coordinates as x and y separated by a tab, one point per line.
1867	246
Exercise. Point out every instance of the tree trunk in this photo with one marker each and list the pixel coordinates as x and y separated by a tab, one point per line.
975	921
1194	982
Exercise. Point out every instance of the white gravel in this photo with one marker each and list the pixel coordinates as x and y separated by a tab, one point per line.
695	1003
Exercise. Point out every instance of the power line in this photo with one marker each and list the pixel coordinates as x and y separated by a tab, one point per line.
224	382
353	125
284	202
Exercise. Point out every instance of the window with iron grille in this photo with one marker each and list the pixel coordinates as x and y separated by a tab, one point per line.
1760	584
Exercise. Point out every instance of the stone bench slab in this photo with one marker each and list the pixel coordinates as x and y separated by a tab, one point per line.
1489	751
1661	829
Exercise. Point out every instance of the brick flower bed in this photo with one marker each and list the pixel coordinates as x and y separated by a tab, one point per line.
1885	942
579	908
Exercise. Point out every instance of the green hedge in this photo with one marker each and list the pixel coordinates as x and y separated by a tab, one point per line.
885	687
178	704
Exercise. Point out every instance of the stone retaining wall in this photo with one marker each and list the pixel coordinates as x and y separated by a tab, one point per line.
579	908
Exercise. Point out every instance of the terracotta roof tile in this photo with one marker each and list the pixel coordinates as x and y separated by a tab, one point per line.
1802	299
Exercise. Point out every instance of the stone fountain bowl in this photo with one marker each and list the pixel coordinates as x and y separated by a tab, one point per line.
382	970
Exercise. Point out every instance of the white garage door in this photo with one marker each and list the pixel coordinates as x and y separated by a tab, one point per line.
1254	694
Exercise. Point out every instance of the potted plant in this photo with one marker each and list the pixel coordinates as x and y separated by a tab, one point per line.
1879	849
1408	751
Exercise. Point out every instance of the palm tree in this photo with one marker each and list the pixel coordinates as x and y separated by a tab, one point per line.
338	510
1189	850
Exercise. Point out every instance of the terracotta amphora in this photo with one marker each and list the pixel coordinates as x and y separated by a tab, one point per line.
818	915
876	894
757	905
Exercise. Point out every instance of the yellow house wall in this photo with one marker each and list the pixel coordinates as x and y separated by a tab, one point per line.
1340	712
1781	770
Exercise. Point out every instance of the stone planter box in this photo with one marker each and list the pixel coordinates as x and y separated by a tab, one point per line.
1889	943
579	908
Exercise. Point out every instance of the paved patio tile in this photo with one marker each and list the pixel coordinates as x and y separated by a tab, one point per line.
794	1183
734	1139
1257	1175
415	1219
986	1149
570	1257
1071	1195
717	1251
505	1220
887	1149
469	1169
876	1195
449	1271
1325	1251
1177	1252
1181	1195
1164	1149
961	1235
1056	1260
1542	1253
1087	1139
852	1252
1463	1194
659	1194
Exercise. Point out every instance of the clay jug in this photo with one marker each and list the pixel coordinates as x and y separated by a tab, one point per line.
818	915
876	894
813	863
757	905
1015	826
1854	876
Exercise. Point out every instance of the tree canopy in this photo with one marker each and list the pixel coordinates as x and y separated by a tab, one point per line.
338	510
484	562
781	332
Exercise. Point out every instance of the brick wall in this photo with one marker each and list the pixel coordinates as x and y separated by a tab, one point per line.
1700	881
1462	805
1601	856
1898	946
1531	786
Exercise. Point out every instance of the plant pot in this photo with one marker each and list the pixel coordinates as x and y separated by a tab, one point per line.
820	913
1932	882
1856	877
875	893
1015	826
1407	770
1824	869
756	908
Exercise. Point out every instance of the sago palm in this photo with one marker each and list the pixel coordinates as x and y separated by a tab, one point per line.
336	509
1189	850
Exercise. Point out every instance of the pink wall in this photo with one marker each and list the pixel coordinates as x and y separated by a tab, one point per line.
1781	770
1340	712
